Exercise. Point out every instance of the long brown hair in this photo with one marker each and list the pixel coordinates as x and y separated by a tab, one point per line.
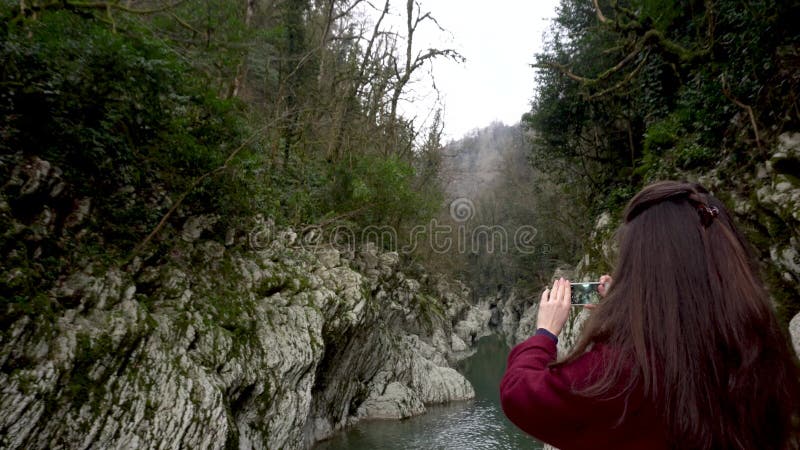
690	322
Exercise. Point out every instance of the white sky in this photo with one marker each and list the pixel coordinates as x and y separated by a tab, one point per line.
499	39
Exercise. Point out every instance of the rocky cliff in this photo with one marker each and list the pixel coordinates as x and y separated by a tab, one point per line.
252	341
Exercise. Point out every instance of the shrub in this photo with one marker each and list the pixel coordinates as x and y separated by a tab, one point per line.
129	126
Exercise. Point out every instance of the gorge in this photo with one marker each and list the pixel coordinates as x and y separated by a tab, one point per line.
218	230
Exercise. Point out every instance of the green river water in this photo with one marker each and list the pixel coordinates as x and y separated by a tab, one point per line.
474	424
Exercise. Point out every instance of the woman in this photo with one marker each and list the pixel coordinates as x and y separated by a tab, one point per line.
683	352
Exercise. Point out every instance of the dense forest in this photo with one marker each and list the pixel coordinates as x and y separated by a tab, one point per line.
155	111
629	92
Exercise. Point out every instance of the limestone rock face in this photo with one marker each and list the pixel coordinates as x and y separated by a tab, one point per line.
518	317
767	202
794	331
259	343
396	402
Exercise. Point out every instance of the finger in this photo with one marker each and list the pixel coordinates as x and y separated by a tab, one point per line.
567	292
589	306
560	291
552	291
605	282
545	296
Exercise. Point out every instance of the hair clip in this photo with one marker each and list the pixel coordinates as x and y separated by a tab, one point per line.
707	214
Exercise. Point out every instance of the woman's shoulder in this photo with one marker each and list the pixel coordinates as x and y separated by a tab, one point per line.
556	401
602	370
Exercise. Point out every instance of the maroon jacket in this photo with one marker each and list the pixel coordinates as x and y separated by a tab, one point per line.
543	402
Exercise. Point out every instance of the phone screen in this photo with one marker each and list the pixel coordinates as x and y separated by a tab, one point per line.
584	293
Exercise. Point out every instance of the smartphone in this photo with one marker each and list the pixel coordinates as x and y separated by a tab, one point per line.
585	293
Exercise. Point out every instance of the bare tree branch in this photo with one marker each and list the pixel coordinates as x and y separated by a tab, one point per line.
728	94
622	82
185	24
116	5
600	15
196	182
345	12
591	81
412	63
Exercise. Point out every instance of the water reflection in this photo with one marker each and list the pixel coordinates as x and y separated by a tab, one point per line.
476	424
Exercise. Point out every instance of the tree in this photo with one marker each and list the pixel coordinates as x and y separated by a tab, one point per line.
404	68
622	84
638	90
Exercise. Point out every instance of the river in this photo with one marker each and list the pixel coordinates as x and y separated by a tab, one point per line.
475	424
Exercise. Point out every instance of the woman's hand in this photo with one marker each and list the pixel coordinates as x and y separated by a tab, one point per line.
602	289
554	307
605	283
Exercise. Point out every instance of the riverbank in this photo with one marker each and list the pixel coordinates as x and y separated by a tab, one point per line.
475	424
